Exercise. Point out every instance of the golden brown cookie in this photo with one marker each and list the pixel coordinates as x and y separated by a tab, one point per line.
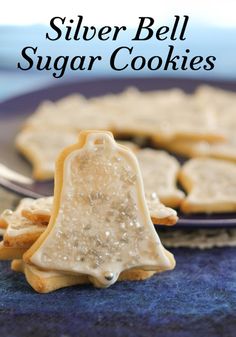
9	253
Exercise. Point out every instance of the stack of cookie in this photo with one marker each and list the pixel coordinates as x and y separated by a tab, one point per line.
97	227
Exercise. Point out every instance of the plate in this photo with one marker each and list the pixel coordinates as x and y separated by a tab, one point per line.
14	111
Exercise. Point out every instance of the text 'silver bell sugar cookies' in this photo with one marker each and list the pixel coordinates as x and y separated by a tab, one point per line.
100	225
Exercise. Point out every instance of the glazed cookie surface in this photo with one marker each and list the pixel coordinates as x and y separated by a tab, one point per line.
100	180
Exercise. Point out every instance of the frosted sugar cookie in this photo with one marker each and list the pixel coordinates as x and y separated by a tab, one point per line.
99	193
168	119
61	114
159	171
210	184
160	214
72	113
39	210
215	98
220	150
20	232
222	104
22	204
42	146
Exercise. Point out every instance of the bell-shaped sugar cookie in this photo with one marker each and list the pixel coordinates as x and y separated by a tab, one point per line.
100	224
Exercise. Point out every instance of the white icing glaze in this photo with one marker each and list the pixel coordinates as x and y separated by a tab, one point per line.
103	226
158	210
18	225
42	146
213	181
159	171
41	206
46	273
24	203
221	150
